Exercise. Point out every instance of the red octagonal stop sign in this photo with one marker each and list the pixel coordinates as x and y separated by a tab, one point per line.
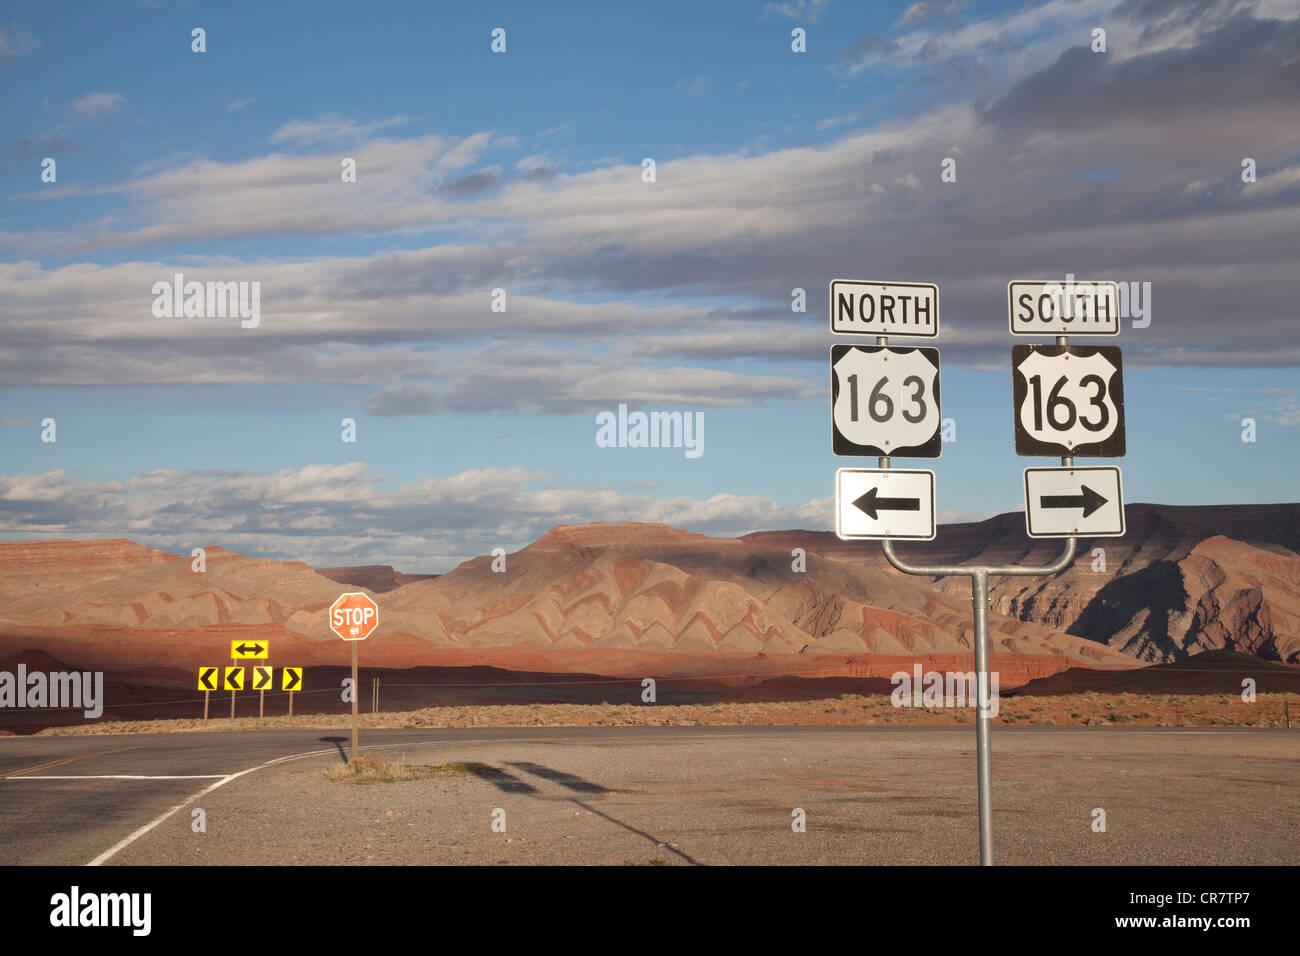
354	616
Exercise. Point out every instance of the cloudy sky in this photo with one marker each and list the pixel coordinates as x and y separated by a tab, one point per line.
775	170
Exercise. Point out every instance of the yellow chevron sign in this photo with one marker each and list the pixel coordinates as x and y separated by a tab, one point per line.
234	679
208	677
291	678
262	677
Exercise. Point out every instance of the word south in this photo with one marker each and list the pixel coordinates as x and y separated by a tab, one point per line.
651	430
208	300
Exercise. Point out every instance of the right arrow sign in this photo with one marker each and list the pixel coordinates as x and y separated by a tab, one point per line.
1084	501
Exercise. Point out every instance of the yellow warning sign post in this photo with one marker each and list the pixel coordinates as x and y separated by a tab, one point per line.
207	684
233	680
291	680
261	681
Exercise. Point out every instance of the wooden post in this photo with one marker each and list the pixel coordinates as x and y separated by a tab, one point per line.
355	693
291	703
206	695
261	699
232	696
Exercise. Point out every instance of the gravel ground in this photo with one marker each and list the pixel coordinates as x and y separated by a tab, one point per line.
892	796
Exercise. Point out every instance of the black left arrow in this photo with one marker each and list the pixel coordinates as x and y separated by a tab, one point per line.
206	676
870	504
1087	499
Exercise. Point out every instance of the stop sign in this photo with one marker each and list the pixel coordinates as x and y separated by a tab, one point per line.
353	616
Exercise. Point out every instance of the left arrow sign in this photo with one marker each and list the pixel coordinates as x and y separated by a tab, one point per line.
879	503
870	504
207	678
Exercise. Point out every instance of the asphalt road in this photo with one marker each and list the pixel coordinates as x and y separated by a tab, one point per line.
656	794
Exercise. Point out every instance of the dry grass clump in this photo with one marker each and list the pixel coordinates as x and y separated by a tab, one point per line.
376	768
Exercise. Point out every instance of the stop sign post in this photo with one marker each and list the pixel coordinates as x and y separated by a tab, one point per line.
354	617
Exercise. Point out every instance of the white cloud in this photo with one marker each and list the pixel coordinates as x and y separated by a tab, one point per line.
99	104
342	514
808	10
331	128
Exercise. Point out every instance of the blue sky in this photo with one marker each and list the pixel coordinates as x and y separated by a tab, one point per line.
775	170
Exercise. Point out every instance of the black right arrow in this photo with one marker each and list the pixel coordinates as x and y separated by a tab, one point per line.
294	677
870	504
206	676
1088	500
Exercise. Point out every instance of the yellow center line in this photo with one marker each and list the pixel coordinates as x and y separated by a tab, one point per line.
59	763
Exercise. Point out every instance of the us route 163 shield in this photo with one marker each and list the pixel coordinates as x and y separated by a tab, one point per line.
1069	400
885	401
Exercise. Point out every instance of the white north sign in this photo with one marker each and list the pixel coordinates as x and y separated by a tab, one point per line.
879	503
1053	307
884	308
1060	502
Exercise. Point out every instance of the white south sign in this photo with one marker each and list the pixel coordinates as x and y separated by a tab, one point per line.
1060	502
879	503
1051	307
885	401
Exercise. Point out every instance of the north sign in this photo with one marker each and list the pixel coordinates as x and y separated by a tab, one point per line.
884	308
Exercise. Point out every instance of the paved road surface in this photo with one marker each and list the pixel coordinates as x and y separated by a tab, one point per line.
635	795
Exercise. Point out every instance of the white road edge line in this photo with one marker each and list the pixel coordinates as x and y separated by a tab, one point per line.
123	844
119	776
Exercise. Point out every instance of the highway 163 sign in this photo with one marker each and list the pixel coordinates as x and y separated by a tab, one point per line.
1060	502
878	503
885	401
1069	400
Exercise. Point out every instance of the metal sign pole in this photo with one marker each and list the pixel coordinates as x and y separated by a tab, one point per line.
979	575
355	693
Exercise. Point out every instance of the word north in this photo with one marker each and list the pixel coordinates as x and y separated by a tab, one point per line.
955	689
60	690
210	300
102	909
652	430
